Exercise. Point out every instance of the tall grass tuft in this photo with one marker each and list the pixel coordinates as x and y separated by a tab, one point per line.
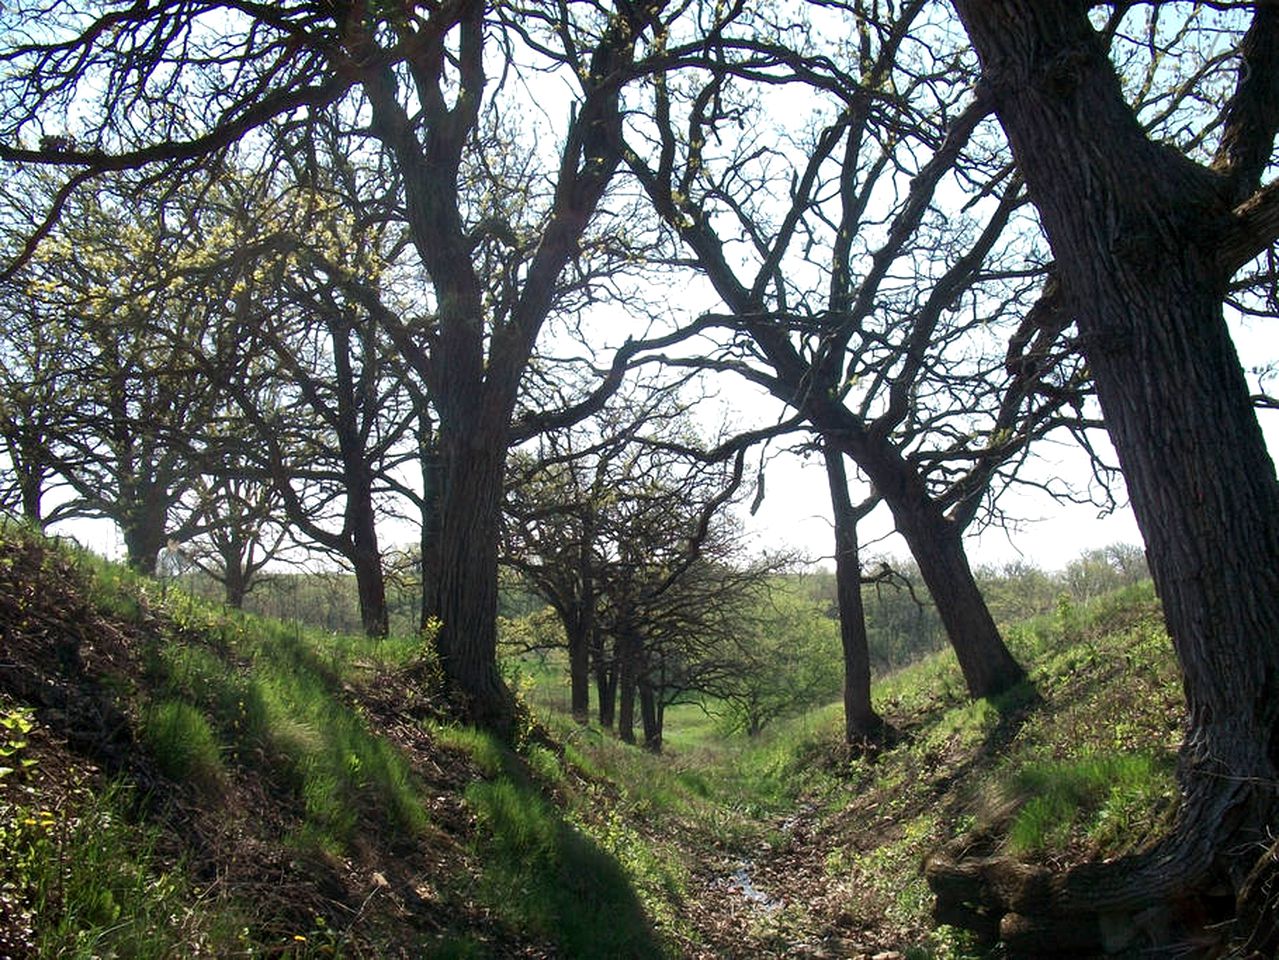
183	743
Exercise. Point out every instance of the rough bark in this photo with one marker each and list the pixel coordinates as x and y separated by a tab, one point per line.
861	722
1136	231
467	642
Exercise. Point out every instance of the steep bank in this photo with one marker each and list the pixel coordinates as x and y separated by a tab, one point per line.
185	781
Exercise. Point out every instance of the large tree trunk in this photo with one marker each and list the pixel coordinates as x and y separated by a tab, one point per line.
1135	229
142	528
473	464
861	722
235	585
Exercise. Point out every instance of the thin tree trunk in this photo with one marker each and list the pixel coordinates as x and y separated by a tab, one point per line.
861	722
649	717
628	656
430	533
365	557
579	650
579	666
605	680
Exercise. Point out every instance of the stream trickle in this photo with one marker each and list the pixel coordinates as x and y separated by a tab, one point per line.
740	881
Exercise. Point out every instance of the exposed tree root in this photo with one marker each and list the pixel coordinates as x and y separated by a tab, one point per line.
1175	899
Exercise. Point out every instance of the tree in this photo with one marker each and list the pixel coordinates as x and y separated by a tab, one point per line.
106	299
908	339
614	524
243	532
37	402
784	661
169	87
337	395
1150	211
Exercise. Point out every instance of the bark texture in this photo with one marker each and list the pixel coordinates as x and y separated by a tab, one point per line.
467	599
1137	231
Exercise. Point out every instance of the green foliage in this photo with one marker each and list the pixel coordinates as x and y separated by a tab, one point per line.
87	882
544	876
15	724
789	661
1111	800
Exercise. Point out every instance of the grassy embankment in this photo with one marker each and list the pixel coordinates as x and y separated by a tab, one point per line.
1077	765
176	780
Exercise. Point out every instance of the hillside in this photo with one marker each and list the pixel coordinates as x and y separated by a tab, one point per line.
177	780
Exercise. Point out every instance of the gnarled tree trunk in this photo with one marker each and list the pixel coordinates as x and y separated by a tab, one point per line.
1138	233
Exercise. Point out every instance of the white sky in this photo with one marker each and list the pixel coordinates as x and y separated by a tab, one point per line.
796	510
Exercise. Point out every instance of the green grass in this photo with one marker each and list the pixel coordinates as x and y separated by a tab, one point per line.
582	843
548	875
95	887
1112	801
183	743
272	697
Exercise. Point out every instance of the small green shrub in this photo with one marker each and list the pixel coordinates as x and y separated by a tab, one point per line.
15	724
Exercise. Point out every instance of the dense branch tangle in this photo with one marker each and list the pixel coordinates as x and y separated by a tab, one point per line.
167	86
875	260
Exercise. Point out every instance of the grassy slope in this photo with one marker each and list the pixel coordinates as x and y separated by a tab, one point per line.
185	782
177	780
1077	765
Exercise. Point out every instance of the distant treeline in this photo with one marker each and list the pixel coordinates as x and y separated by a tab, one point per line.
901	622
